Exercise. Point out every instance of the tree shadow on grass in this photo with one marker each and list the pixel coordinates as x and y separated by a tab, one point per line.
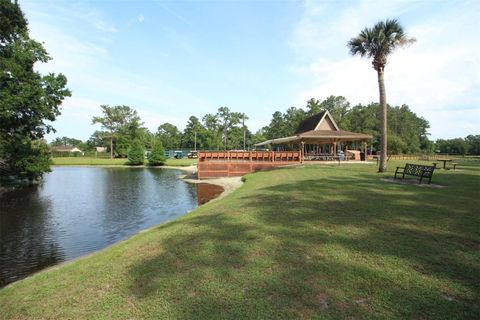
269	257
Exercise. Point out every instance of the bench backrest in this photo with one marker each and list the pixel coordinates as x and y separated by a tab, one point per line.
419	170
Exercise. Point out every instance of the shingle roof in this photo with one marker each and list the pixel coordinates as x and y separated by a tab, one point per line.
333	134
310	123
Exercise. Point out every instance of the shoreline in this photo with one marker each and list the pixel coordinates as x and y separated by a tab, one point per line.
229	185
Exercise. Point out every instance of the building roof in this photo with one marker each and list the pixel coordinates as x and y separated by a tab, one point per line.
66	149
319	128
320	120
310	123
340	134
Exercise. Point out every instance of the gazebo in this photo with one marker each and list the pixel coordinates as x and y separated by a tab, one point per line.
317	132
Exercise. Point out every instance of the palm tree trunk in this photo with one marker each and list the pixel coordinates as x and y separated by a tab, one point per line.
383	126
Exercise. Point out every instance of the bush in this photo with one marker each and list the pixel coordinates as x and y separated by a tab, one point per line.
31	159
157	156
136	153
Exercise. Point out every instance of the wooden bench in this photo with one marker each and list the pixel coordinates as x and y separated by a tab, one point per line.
454	164
416	170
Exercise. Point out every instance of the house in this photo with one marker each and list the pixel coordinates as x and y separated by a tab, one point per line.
66	149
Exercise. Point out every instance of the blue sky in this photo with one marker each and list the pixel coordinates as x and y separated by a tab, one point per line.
173	59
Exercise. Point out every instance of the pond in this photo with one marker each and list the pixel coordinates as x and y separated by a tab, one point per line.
78	210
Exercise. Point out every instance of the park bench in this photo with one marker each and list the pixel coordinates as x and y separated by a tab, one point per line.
416	170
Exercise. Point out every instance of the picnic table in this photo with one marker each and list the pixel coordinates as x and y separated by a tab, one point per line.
445	162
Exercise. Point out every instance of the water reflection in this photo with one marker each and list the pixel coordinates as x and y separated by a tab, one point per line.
29	236
206	192
79	210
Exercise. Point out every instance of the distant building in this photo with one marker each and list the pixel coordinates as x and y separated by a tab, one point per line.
101	149
69	149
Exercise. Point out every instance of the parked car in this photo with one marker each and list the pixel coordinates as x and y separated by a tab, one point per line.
178	154
192	155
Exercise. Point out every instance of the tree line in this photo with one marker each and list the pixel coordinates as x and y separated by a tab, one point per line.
121	126
227	130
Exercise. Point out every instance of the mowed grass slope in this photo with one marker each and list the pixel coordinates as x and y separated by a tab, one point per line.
91	161
313	242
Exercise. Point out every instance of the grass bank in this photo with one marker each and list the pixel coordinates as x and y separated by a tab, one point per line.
91	161
312	242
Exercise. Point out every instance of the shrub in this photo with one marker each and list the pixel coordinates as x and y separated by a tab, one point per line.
136	153
157	156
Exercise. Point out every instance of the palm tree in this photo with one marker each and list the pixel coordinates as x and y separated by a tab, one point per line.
377	43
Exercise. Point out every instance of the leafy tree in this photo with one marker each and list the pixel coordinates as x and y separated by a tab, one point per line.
136	153
396	144
31	159
292	119
97	139
157	156
169	136
65	141
212	135
122	123
29	101
378	43
313	107
194	134
277	127
338	107
228	120
258	136
452	146
473	142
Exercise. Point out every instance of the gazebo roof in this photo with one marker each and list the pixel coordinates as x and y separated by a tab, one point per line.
319	128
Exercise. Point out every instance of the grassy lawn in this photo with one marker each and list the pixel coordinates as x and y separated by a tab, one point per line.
91	161
313	242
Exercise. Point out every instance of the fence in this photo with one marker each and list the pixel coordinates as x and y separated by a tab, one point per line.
214	164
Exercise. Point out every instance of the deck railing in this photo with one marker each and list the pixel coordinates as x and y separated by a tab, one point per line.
250	156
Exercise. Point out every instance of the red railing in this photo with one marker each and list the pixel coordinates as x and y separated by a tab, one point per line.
250	156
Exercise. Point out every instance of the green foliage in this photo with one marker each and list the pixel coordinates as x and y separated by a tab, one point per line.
410	131
473	142
136	153
65	141
452	146
28	159
379	42
170	136
123	125
396	145
29	101
157	156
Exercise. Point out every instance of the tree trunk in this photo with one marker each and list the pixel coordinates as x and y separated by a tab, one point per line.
111	146
383	126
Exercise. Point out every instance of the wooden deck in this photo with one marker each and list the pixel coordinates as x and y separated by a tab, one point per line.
215	164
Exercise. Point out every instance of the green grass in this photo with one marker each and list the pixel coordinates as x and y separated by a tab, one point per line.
91	161
323	242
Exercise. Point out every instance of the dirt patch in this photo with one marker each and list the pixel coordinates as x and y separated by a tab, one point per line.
413	182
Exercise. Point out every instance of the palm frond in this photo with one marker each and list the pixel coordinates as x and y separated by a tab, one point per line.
380	41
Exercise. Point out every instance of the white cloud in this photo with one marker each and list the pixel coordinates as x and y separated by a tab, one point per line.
140	18
437	75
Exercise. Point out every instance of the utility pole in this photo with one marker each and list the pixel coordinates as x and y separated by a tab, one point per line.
195	140
244	132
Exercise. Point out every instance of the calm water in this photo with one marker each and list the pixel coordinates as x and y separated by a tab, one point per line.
77	210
